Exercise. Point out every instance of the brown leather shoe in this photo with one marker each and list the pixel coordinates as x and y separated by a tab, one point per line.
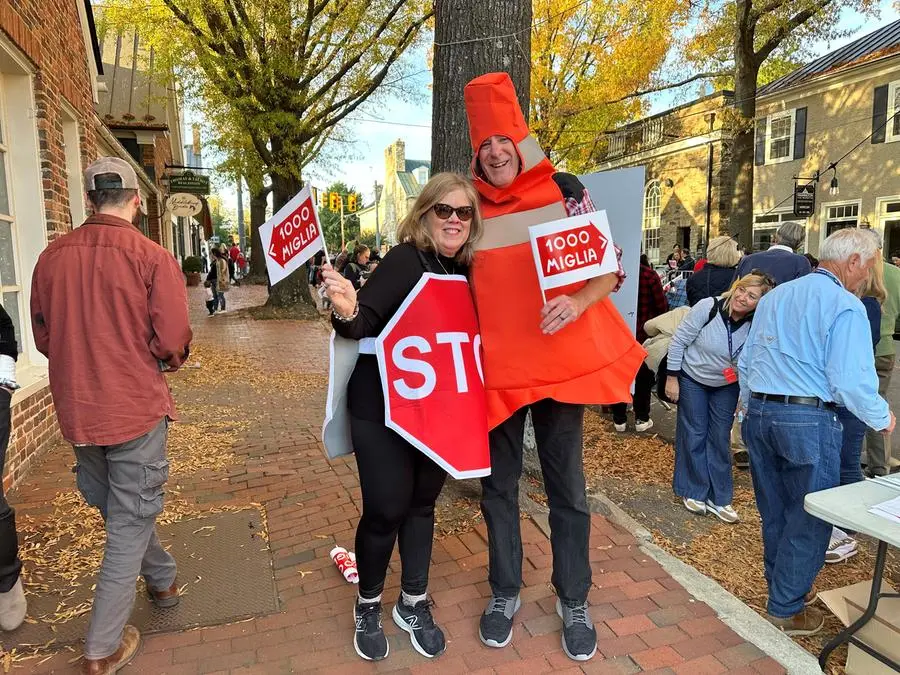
167	598
131	641
807	622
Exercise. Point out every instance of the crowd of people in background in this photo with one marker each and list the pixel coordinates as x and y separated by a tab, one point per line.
795	355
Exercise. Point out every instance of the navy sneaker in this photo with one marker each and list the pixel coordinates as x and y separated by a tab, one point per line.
426	637
369	640
579	638
495	627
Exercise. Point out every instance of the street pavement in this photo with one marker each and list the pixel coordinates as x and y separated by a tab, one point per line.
646	621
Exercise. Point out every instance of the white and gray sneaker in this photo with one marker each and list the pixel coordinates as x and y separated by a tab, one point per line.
841	547
369	640
694	506
726	513
495	627
579	637
621	427
641	426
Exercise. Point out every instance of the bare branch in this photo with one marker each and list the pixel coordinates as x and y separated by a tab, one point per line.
673	85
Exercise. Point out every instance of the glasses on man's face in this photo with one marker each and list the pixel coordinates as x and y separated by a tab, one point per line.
444	211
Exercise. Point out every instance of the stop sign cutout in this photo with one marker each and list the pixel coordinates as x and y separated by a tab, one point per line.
429	355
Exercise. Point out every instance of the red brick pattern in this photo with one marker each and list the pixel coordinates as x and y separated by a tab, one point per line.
645	620
34	429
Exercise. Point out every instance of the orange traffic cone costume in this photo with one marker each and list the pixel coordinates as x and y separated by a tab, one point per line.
594	359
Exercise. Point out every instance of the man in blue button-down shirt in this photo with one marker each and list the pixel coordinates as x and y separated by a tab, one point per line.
809	349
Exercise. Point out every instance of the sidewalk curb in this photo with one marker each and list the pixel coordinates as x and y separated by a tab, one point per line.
730	609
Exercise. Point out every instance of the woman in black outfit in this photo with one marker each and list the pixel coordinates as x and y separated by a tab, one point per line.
722	257
358	265
399	483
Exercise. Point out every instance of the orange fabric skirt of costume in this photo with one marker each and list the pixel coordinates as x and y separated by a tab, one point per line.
593	360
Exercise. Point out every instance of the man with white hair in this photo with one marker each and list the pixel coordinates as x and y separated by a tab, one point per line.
781	261
804	356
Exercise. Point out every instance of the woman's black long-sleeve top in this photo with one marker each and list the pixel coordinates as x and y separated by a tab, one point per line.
379	300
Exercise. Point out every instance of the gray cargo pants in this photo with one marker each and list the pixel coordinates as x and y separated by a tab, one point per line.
125	481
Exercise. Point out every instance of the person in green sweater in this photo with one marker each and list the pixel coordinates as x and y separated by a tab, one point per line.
878	446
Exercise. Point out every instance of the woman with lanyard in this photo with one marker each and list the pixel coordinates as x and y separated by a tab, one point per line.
399	484
702	378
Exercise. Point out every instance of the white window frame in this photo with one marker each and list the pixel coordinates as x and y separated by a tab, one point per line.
881	217
782	216
74	180
786	114
27	204
893	95
651	224
823	215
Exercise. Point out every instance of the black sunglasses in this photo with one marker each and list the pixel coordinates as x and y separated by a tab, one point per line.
444	211
767	278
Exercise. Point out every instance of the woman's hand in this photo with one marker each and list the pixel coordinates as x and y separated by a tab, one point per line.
339	290
672	389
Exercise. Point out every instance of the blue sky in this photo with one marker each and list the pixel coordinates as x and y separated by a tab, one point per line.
376	128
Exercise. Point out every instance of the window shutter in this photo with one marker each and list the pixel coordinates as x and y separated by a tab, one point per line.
879	114
760	142
799	133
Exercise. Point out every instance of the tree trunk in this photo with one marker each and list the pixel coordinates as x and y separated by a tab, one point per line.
295	289
456	64
258	202
746	71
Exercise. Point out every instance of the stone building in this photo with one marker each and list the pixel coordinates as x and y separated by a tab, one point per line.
403	181
842	108
685	151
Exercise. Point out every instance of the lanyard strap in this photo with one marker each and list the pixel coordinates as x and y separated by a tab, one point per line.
829	275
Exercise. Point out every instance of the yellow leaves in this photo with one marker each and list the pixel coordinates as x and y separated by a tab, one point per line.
583	59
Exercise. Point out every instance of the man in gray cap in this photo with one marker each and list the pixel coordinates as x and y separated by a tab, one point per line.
109	310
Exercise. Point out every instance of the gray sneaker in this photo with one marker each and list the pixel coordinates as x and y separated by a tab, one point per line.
495	627
579	638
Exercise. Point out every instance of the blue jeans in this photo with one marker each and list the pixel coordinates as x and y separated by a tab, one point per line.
703	441
851	445
218	297
794	450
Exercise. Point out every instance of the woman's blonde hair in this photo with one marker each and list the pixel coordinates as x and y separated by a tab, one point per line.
756	278
723	252
413	228
874	286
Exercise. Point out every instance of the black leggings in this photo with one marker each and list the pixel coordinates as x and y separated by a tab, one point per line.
399	488
643	388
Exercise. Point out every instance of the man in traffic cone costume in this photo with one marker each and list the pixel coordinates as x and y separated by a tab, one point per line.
550	358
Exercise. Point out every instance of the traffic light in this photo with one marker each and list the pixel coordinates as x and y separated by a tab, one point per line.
351	203
334	202
323	199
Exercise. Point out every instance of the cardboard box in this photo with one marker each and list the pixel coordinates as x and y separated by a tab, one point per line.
882	632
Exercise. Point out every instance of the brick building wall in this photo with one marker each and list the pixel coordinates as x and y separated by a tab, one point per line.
48	33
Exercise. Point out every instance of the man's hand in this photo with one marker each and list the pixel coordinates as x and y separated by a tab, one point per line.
890	427
558	313
672	388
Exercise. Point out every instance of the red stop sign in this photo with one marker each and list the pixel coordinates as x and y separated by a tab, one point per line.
429	355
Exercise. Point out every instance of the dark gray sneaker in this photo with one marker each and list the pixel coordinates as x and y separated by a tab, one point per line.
579	638
369	640
426	637
495	627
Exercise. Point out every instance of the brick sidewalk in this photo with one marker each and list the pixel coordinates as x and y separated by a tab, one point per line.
645	621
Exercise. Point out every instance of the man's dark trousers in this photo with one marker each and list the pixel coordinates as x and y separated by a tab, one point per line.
558	431
10	565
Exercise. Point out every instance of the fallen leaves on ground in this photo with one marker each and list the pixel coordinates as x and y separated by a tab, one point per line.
730	554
